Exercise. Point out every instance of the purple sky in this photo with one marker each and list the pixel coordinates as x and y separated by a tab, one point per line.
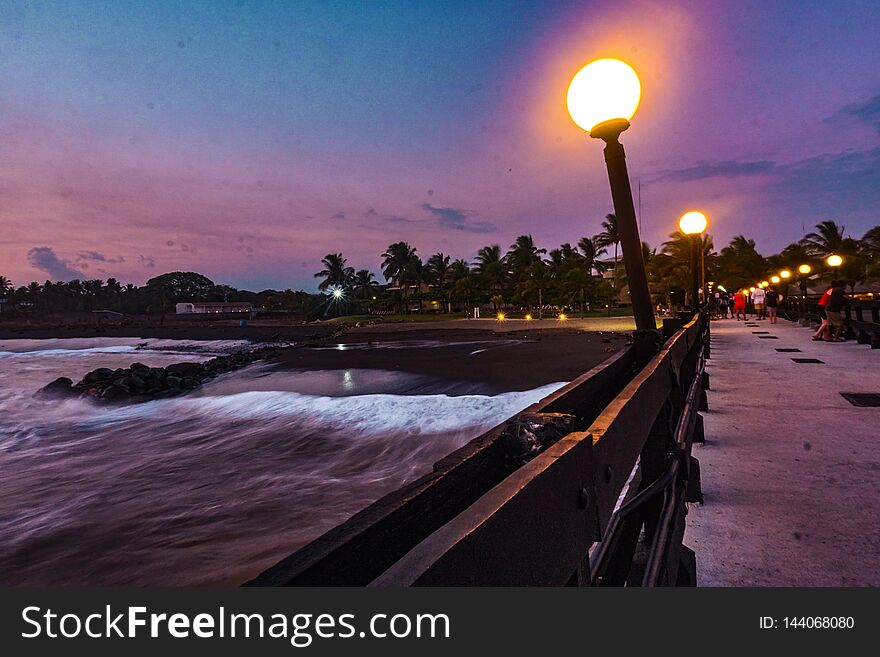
247	140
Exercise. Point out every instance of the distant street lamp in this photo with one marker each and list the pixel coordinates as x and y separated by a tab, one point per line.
693	224
774	279
785	274
834	261
602	97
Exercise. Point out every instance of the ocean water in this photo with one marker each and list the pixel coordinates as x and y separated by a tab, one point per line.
213	487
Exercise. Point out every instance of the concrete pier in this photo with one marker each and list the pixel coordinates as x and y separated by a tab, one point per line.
790	469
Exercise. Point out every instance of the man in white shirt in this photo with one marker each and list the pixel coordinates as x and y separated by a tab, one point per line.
758	301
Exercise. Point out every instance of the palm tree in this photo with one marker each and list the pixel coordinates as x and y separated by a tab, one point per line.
491	268
828	238
364	284
678	248
437	269
591	253
609	236
522	254
335	272
397	265
5	286
870	240
437	273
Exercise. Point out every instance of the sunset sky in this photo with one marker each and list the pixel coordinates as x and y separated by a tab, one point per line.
245	140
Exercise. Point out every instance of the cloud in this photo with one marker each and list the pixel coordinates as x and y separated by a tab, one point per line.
458	220
97	257
148	262
865	112
44	259
338	215
723	169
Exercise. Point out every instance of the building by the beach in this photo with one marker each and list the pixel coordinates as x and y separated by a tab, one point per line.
214	307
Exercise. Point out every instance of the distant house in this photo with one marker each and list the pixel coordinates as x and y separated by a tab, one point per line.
214	307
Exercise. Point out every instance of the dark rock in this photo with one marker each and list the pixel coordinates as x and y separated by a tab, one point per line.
60	387
189	382
100	374
183	370
138	366
173	382
115	392
526	435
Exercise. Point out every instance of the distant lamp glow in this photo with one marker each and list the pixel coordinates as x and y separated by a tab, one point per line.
500	317
693	222
528	316
805	269
602	91
337	293
765	283
774	279
562	317
752	289
784	274
834	260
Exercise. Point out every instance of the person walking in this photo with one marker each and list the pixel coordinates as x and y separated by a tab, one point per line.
739	304
758	301
771	302
834	312
820	306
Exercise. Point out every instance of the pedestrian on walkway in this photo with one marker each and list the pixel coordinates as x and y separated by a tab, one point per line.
834	312
758	300
771	301
821	310
739	304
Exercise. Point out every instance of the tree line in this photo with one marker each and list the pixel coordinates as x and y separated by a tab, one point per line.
157	297
570	276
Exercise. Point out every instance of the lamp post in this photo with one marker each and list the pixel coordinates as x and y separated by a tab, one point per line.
693	224
834	261
602	98
804	271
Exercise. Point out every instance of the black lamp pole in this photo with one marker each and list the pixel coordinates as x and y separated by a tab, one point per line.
630	242
695	273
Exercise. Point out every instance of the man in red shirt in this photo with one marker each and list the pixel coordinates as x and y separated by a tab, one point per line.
818	335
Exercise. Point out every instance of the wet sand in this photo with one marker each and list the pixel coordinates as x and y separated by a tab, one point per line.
502	362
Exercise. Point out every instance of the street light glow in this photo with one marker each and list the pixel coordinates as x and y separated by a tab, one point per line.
834	260
785	274
765	283
337	293
774	279
693	222
805	269
752	289
603	90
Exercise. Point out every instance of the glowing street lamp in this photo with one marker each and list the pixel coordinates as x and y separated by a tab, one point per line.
804	271
765	283
774	279
693	224
602	97
834	260
338	293
785	274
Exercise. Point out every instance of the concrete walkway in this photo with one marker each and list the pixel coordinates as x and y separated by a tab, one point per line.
790	469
